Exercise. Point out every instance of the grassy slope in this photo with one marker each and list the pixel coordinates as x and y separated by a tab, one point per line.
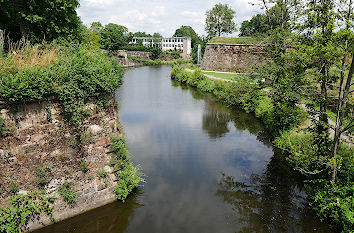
239	40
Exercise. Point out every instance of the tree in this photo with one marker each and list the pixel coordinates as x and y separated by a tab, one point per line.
141	34
114	36
96	26
40	19
220	20
187	31
254	27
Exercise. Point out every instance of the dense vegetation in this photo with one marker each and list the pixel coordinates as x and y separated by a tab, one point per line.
71	72
40	20
24	208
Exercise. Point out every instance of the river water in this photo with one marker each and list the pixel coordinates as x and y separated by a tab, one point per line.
209	167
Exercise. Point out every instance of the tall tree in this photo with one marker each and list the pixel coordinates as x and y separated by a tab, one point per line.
346	37
187	31
114	36
40	19
220	20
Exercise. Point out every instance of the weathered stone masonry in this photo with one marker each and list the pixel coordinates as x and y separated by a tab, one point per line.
233	57
40	140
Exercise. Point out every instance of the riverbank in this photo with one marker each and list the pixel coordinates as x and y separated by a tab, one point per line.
62	147
133	61
332	202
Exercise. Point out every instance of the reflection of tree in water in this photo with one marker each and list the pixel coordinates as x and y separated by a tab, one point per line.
112	218
217	115
271	202
215	119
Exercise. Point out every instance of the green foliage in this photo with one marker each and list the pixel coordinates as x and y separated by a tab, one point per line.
333	202
187	31
102	174
114	36
246	93
129	176
220	20
40	20
28	85
91	38
67	193
128	179
156	62
42	176
84	166
14	219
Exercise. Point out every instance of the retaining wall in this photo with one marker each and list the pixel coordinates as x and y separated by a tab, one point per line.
233	57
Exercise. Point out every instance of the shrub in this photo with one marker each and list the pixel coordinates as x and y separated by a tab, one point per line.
333	202
129	176
30	84
128	179
67	193
14	218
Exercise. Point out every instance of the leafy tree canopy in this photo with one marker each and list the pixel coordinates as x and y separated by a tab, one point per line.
96	26
220	20
114	36
141	34
185	31
40	19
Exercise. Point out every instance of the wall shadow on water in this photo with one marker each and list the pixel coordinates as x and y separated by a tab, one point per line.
112	218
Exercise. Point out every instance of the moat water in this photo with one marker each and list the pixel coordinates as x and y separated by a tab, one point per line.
209	167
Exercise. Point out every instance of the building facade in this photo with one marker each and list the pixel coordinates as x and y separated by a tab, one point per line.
183	44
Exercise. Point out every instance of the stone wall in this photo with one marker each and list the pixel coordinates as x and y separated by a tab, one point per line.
233	57
41	138
143	55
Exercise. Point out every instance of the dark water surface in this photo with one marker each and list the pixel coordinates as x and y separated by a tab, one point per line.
210	168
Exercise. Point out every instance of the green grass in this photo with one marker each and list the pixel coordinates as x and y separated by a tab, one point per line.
239	40
229	76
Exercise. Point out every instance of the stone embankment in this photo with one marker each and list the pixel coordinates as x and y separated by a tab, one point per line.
40	138
233	57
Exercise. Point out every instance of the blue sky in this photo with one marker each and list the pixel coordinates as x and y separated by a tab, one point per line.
163	16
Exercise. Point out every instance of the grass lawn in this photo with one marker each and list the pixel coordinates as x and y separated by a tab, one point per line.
233	77
239	40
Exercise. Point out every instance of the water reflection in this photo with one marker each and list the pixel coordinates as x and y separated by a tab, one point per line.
112	218
215	119
184	139
272	202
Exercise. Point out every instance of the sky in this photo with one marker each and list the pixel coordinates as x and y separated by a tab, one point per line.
162	16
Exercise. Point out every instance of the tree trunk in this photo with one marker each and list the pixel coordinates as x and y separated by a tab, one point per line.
342	101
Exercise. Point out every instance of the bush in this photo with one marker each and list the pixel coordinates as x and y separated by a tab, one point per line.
14	218
333	202
128	179
67	193
129	176
28	85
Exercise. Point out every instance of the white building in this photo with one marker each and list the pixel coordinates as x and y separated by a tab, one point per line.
183	44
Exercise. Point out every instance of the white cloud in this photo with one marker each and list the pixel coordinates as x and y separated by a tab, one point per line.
163	16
